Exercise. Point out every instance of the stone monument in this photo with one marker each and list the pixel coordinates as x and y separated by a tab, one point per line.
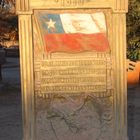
73	69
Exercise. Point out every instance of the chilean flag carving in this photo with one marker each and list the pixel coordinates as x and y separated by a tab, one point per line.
74	32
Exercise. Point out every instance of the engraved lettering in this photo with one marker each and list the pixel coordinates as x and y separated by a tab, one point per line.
73	88
55	63
93	80
74	71
71	2
73	75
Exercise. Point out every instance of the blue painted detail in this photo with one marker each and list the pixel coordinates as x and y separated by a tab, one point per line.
46	17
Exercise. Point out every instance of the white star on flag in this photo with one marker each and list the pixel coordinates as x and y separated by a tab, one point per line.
51	24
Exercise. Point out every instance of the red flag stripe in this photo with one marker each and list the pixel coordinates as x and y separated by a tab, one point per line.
74	43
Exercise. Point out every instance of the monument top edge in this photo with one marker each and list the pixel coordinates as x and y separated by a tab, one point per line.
23	6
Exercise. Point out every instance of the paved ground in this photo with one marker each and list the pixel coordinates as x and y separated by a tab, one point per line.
134	112
10	105
10	102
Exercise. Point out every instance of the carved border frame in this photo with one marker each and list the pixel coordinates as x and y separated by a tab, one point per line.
24	10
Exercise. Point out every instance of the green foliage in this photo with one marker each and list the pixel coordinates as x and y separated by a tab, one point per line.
133	30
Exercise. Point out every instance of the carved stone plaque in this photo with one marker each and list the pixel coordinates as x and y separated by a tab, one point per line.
76	58
72	55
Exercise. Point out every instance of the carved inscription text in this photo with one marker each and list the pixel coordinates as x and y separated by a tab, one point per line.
73	76
71	2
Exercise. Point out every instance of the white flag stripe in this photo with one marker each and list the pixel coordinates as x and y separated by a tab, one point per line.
100	19
83	23
67	23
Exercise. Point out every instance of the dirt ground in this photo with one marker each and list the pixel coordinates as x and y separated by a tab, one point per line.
10	105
